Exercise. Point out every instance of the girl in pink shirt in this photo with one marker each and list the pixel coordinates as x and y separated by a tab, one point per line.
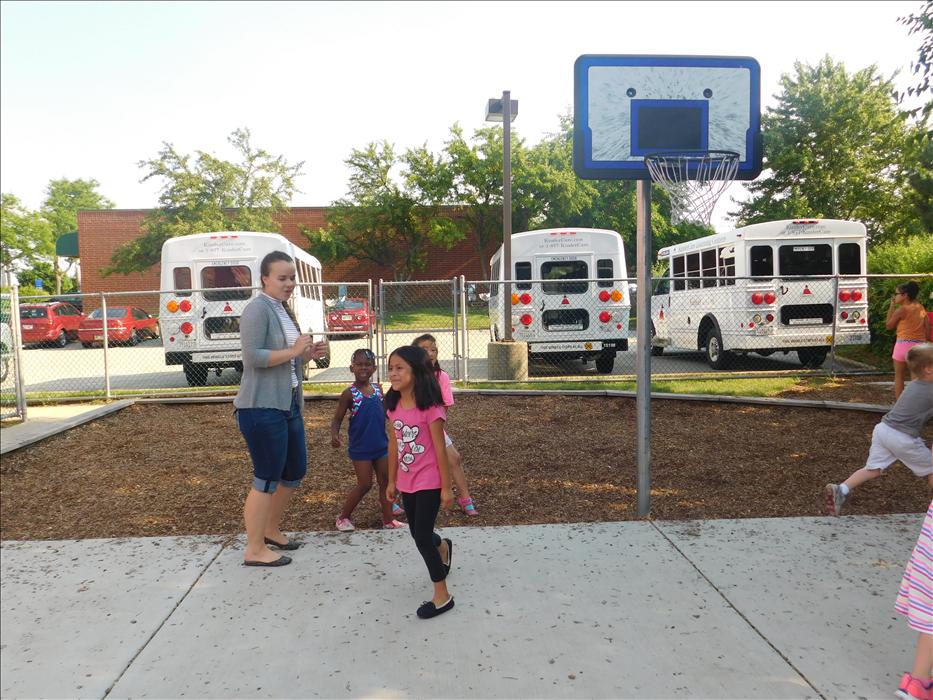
429	344
418	464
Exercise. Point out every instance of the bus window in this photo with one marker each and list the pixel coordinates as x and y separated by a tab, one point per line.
709	267
727	265
564	270
805	259
523	272
494	277
226	276
679	284
182	278
762	261
693	270
604	272
850	259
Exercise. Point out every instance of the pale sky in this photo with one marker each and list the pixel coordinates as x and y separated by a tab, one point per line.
88	89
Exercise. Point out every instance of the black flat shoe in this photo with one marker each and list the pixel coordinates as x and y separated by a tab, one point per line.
281	561
429	609
288	546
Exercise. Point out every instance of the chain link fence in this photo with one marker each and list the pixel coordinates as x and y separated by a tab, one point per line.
159	343
12	390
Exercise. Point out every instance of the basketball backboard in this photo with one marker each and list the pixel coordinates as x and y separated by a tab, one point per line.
630	106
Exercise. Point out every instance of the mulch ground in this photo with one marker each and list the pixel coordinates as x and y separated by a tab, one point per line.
183	469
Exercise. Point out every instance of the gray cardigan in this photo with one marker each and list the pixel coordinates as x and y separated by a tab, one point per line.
261	332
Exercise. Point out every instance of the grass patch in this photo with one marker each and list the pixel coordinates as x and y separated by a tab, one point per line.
879	358
434	317
718	387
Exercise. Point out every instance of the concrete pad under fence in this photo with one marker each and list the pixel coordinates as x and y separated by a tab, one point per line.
603	610
821	590
75	613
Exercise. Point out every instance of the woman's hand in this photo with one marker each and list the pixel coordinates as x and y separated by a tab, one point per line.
302	345
447	498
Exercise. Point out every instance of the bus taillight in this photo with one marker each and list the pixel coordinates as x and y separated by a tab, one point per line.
526	319
185	306
757	298
172	306
856	295
605	317
844	315
604	296
525	298
770	317
186	328
770	297
844	295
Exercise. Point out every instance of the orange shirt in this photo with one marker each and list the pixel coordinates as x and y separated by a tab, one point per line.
911	326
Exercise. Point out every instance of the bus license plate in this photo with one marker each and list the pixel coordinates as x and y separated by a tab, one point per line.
805	322
215	356
566	327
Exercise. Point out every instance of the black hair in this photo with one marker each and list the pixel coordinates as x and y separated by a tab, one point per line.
265	265
427	391
911	289
365	352
427	338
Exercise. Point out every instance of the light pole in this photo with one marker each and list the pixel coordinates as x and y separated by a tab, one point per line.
505	110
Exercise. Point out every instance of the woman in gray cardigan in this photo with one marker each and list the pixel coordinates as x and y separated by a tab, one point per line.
268	408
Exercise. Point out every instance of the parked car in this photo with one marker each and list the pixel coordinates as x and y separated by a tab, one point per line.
351	315
49	322
125	324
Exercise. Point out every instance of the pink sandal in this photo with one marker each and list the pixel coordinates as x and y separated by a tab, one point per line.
466	505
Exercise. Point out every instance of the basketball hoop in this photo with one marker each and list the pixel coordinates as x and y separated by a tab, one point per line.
694	180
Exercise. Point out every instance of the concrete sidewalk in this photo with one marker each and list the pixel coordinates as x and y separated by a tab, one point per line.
764	608
44	421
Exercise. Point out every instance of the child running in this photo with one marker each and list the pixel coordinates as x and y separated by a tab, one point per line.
897	436
428	343
368	444
418	464
915	602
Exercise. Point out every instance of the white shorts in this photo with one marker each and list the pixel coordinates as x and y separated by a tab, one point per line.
888	445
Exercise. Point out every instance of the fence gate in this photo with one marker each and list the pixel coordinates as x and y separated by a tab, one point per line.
409	309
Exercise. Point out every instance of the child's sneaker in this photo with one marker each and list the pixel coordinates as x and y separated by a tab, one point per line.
912	688
466	505
834	499
344	525
392	525
397	510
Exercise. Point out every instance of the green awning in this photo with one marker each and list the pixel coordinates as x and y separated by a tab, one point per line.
67	245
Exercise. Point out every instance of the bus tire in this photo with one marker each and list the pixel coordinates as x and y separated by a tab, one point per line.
605	360
656	350
195	374
716	357
812	358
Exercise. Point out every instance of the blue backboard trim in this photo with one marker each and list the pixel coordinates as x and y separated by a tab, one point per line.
588	168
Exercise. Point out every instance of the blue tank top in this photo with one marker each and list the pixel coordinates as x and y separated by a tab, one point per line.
367	429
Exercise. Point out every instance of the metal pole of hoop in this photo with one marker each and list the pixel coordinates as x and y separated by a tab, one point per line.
643	343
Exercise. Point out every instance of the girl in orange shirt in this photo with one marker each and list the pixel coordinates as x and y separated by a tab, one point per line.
909	317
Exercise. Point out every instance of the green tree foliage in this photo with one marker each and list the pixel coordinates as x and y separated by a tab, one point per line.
906	256
835	147
63	199
204	193
26	238
921	24
44	271
381	220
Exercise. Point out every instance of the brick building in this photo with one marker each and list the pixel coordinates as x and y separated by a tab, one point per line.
100	232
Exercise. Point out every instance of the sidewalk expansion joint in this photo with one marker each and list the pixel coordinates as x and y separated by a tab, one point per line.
223	546
738	612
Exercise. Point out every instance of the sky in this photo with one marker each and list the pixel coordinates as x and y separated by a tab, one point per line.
89	89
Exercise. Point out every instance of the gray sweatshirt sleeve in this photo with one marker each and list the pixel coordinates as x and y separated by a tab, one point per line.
253	331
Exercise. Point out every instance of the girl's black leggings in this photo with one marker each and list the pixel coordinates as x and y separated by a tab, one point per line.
422	507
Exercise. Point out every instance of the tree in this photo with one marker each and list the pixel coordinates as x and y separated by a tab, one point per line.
835	147
381	220
204	193
921	24
63	199
25	237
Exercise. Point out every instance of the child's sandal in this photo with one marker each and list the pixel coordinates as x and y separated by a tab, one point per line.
397	510
466	505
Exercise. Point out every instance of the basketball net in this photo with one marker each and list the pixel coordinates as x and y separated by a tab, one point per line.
693	180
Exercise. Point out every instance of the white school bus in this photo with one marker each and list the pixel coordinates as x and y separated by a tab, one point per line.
569	296
207	280
764	288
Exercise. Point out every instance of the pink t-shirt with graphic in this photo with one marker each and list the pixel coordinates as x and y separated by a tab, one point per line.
447	392
417	460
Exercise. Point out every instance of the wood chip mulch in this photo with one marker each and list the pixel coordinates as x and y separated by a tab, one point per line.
183	469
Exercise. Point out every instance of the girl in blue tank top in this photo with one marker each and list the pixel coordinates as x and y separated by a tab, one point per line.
368	443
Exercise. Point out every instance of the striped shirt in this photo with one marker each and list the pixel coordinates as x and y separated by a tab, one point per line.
290	330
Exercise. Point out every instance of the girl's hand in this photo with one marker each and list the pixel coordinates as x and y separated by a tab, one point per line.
391	493
334	440
447	499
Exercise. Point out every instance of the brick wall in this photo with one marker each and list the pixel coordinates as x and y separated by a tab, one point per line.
101	232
